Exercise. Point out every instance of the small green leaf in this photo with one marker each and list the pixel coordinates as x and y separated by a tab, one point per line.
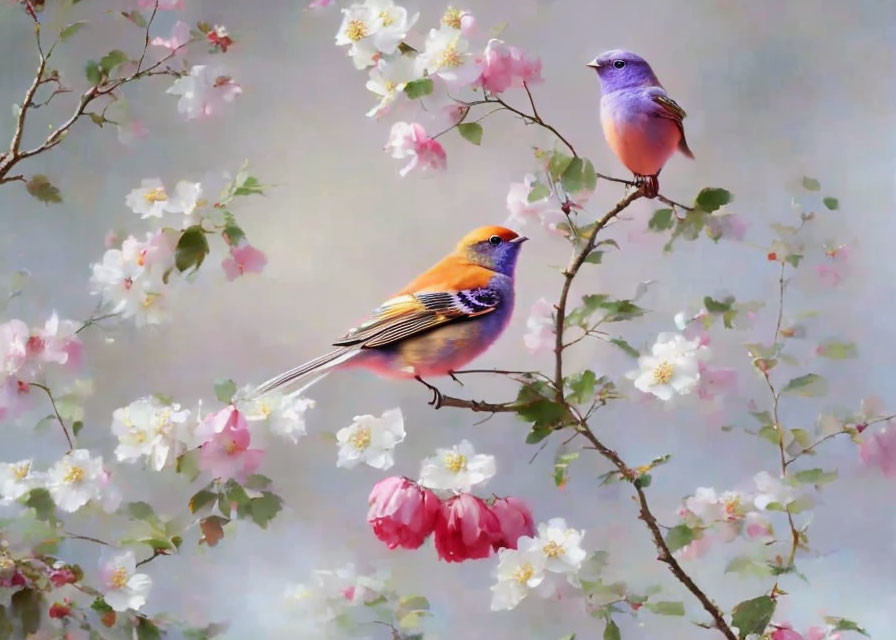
662	220
140	510
93	72
815	476
112	60
753	616
561	466
188	464
136	17
666	608
582	386
42	503
625	346
538	192
711	199
680	536
250	186
643	481
471	131
746	566
793	259
718	306
262	510
611	631
831	203
100	606
810	385
77	425
811	184
27	605
225	390
146	630
595	257
842	624
837	350
418	88
233	234
191	249
41	188
558	163
537	435
71	30
201	499
257	482
579	176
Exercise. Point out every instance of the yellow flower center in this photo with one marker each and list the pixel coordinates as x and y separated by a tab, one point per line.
390	86
119	578
264	409
452	18
355	30
523	573
20	471
155	195
149	299
387	18
73	474
360	439
450	57
455	462
552	549
731	505
138	436
663	372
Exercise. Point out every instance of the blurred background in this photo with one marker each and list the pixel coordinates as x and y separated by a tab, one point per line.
773	91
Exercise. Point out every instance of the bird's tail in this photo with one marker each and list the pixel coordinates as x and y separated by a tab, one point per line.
319	367
683	147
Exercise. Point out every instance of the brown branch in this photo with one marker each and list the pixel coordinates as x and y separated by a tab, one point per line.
59	419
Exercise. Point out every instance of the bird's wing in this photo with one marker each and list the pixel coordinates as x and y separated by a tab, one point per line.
412	313
666	107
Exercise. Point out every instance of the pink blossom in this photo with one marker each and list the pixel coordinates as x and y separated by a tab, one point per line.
131	131
879	450
62	576
14	336
786	632
693	328
402	513
56	342
715	381
243	259
219	37
515	520
15	396
505	66
204	91
465	529
164	5
410	140
225	453
540	327
834	269
111	239
320	4
180	35
696	549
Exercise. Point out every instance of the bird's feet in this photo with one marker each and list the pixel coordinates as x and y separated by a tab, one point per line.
455	378
436	401
648	185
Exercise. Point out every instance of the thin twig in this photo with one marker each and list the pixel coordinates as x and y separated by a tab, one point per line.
59	419
77	536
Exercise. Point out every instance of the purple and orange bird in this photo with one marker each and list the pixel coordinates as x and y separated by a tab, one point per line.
641	123
439	322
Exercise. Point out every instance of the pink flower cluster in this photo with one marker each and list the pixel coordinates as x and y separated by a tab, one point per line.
26	352
403	514
505	66
243	258
410	140
784	631
225	451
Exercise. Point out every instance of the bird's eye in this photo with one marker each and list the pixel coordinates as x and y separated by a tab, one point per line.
619	63
495	240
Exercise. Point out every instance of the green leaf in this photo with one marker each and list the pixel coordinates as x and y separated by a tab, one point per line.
753	616
262	510
136	17
471	131
831	203
191	249
42	503
718	306
611	631
579	176
188	464
590	304
746	566
842	624
558	163
112	60
810	385
40	187
662	220
201	499
680	536
620	310
625	346
538	434
595	257
811	184
711	199
100	606
538	192
77	426
793	259
233	234
643	481
418	88
561	466
815	476
146	630
27	605
257	482
250	186
582	386
837	350
71	30
666	608
224	390
93	72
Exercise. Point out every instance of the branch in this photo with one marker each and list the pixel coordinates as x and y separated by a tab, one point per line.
59	419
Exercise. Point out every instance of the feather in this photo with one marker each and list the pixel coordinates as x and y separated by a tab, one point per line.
670	109
321	365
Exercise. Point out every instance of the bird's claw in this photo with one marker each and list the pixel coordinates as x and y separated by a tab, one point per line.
649	186
455	378
436	402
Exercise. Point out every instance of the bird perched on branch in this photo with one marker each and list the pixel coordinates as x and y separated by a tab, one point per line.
439	322
641	123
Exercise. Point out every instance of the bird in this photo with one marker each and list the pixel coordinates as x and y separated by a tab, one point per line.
641	123
440	321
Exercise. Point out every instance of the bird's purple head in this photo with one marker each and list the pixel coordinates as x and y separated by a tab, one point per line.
495	248
621	69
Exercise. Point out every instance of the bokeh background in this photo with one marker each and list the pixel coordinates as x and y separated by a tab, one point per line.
774	90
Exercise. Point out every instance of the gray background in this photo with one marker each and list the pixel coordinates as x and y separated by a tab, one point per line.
774	90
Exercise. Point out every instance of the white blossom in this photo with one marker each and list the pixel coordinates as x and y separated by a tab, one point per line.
456	469
149	428
283	415
671	368
204	91
562	548
370	440
17	479
519	570
78	478
447	55
772	491
123	587
540	334
388	80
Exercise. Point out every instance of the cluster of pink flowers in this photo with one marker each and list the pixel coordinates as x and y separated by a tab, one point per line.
26	353
784	631
225	451
403	514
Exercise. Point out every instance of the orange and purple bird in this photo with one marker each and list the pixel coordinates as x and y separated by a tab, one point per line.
439	322
641	123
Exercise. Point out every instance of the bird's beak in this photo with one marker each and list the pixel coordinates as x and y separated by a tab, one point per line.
519	240
594	64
